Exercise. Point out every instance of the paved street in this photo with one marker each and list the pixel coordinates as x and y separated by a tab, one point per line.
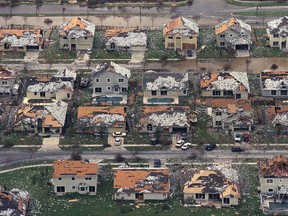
12	157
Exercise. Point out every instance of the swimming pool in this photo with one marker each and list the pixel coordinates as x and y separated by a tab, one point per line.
160	100
107	99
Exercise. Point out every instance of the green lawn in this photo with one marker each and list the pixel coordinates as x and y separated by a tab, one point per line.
21	138
54	54
207	39
263	13
73	138
45	202
12	55
255	3
156	48
84	96
99	49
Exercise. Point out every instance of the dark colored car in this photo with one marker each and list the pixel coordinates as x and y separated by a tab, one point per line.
184	136
157	163
210	147
154	141
245	137
237	149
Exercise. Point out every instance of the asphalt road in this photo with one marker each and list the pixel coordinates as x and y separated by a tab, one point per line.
14	157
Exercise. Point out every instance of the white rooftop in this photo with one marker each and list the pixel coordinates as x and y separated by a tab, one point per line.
168	119
279	26
50	86
108	118
27	39
132	39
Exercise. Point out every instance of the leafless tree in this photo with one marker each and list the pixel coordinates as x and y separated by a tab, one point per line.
197	17
6	17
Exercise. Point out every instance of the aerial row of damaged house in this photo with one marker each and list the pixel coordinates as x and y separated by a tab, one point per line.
208	187
179	34
225	94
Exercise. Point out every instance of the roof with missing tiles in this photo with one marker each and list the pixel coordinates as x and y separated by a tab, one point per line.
76	28
112	68
51	114
182	26
75	168
6	73
110	116
165	116
21	37
278	115
128	39
212	182
223	26
14	202
274	80
153	80
233	81
278	26
275	167
141	180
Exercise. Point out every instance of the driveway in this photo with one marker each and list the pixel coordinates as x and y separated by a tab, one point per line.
50	144
137	55
31	56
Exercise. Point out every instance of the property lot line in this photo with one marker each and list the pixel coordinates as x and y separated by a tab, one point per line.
119	164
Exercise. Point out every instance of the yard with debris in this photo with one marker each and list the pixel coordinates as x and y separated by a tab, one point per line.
45	202
20	138
12	55
156	49
99	49
260	46
207	40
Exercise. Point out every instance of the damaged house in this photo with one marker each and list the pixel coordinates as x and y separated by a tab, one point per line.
99	120
75	177
41	119
181	34
110	84
125	40
233	34
231	114
140	184
273	178
225	84
211	188
274	84
164	87
8	85
278	33
21	40
169	119
277	117
14	202
77	34
59	88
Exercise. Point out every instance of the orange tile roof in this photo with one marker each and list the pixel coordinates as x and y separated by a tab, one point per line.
135	180
17	32
90	111
6	74
276	166
172	24
275	110
209	181
113	32
224	26
231	104
205	83
77	168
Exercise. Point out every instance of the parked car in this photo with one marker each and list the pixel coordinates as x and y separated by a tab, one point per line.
119	134
237	149
179	143
210	147
89	51
118	141
154	141
238	138
184	136
186	146
245	137
157	163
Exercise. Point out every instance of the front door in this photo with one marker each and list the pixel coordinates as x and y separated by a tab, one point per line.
139	196
283	45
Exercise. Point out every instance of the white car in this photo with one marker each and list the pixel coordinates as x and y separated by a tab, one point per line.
118	141
186	146
179	143
89	51
119	134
